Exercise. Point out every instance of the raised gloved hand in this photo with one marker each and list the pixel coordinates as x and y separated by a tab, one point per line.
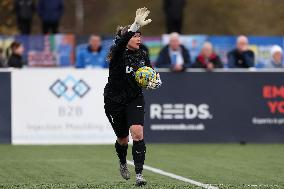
155	83
141	15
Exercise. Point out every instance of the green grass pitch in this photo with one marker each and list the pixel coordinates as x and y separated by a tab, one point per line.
224	165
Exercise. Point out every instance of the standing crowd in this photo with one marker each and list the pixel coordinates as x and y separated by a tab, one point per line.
49	12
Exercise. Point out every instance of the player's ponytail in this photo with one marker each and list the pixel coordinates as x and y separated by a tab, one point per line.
120	31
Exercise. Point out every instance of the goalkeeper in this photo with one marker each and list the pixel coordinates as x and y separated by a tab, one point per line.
124	101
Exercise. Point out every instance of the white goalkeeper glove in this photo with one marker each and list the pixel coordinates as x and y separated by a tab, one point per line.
155	83
141	15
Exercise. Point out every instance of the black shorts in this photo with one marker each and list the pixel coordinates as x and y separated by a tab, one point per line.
123	116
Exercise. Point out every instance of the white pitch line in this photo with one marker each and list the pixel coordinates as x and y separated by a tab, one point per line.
161	172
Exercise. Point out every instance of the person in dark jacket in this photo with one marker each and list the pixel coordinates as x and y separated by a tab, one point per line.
24	10
174	15
241	57
207	58
16	58
50	12
174	56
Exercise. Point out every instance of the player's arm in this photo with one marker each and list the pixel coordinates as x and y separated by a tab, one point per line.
121	42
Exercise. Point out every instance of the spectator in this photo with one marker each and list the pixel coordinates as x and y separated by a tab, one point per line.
207	58
93	55
16	58
50	12
24	10
276	57
241	57
174	55
2	60
174	15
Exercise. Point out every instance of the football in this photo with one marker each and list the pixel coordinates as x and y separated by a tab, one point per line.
144	75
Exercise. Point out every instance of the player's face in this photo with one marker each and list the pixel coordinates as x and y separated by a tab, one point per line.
134	42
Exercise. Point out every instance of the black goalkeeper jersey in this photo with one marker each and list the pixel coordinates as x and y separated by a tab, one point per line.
121	86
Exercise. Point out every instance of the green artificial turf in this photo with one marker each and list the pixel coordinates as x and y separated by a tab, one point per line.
222	165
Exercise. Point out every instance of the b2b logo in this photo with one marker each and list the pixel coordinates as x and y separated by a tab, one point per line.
180	111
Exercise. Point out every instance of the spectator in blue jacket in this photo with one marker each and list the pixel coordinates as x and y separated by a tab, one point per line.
92	55
174	56
241	57
50	13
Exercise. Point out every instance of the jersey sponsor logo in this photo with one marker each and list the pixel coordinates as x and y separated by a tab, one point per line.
180	111
129	69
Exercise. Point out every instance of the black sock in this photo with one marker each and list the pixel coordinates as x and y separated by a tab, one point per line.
138	152
121	151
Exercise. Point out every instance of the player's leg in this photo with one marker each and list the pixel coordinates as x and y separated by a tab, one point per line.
121	146
118	122
139	148
135	118
138	152
119	125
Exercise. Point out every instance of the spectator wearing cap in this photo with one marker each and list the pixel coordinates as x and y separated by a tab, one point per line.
241	56
207	58
174	55
92	55
276	57
16	59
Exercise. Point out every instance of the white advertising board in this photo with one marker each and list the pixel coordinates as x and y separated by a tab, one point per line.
59	106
